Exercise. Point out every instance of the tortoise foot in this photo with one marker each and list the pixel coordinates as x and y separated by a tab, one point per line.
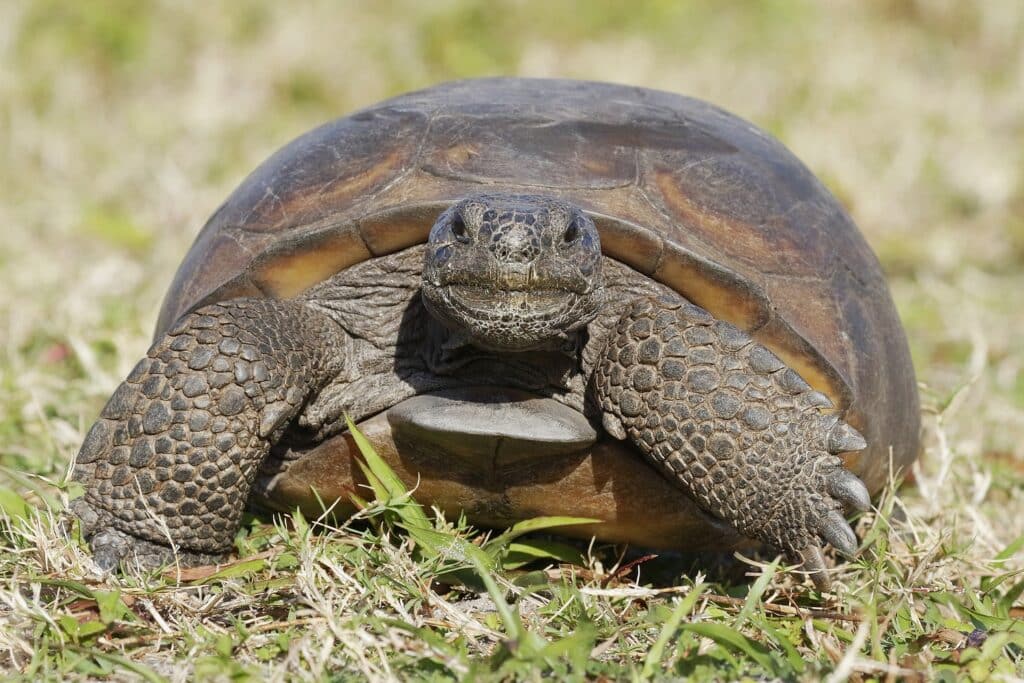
112	547
801	514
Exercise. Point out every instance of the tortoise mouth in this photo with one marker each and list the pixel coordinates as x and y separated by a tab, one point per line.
511	319
526	303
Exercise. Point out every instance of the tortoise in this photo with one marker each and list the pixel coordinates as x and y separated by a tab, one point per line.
534	297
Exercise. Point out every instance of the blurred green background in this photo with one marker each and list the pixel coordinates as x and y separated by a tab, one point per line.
123	125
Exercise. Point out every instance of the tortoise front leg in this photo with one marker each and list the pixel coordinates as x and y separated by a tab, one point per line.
741	433
174	453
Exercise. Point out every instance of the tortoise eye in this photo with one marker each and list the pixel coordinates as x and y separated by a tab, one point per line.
459	229
573	231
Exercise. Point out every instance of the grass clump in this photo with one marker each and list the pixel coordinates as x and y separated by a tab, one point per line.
395	592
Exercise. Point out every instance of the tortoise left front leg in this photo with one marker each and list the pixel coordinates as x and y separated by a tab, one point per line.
168	467
736	429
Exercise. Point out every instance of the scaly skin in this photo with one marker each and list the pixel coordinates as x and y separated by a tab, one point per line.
737	430
175	451
168	468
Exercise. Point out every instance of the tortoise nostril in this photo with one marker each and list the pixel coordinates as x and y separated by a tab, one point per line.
572	232
458	228
442	254
515	251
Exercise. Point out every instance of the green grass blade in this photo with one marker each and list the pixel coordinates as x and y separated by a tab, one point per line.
1011	550
13	505
654	656
1010	597
793	658
385	483
45	491
498	543
136	668
735	641
509	618
521	553
754	595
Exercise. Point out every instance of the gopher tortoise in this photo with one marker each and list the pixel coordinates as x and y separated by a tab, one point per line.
534	297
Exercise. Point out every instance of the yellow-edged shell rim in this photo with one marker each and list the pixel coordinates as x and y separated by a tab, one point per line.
291	265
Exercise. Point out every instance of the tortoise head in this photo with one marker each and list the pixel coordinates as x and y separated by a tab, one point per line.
513	272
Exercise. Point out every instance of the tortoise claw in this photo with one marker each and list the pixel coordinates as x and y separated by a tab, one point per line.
109	547
843	438
814	566
836	530
849	490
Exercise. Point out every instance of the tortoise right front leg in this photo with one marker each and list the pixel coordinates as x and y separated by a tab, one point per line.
174	453
723	418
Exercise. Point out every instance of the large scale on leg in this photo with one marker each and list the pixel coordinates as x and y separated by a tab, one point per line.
693	316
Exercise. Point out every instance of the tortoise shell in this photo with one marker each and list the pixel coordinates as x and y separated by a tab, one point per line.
680	190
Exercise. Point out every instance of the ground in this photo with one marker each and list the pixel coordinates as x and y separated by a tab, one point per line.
124	124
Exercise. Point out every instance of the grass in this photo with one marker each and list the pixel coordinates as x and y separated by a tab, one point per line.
123	125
